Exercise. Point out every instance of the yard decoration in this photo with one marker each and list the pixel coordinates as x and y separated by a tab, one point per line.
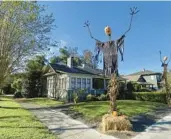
108	30
113	90
164	65
119	123
113	121
110	66
110	48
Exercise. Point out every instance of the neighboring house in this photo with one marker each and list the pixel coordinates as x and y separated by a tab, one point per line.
146	78
62	79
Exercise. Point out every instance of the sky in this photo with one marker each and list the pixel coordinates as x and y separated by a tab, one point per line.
151	29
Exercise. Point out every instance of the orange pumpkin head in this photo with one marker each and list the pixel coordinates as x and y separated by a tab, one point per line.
108	30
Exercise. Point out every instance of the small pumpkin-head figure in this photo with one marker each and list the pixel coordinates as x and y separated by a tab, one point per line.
108	30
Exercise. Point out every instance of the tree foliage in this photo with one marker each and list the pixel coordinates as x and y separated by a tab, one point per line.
33	83
17	85
35	64
64	53
24	30
88	58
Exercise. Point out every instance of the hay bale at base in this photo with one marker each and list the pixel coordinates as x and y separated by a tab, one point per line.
115	123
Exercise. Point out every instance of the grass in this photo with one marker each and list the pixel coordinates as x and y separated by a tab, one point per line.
96	109
18	123
45	102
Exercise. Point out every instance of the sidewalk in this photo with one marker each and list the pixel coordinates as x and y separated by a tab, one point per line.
62	125
159	130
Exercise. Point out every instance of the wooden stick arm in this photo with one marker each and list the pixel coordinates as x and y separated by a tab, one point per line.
87	24
133	11
169	59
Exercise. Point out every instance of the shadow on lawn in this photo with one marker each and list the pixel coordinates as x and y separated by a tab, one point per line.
7	117
22	127
3	107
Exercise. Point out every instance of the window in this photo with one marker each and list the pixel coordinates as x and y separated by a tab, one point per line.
59	83
63	83
158	78
73	83
78	82
50	83
88	83
83	82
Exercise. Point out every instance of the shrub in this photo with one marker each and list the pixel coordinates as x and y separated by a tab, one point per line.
17	85
7	89
102	97
75	97
91	97
158	96
137	87
18	95
145	90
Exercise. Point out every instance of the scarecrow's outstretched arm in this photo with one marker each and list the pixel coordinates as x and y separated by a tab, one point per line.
133	11
169	59
161	57
87	24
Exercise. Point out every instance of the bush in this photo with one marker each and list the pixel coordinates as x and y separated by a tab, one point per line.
158	96
17	84
137	87
7	89
18	95
102	97
145	90
91	97
75	97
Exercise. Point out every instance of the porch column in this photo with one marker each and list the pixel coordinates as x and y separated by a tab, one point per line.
104	82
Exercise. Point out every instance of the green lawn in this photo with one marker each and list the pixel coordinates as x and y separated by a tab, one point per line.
18	123
96	109
45	102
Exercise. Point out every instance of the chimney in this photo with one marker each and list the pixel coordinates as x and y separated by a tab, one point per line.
70	61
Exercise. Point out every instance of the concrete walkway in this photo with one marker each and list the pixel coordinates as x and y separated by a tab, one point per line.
159	130
64	126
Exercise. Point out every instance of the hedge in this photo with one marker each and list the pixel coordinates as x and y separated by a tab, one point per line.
157	96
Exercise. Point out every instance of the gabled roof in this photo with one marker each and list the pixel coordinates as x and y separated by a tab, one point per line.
145	72
133	78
